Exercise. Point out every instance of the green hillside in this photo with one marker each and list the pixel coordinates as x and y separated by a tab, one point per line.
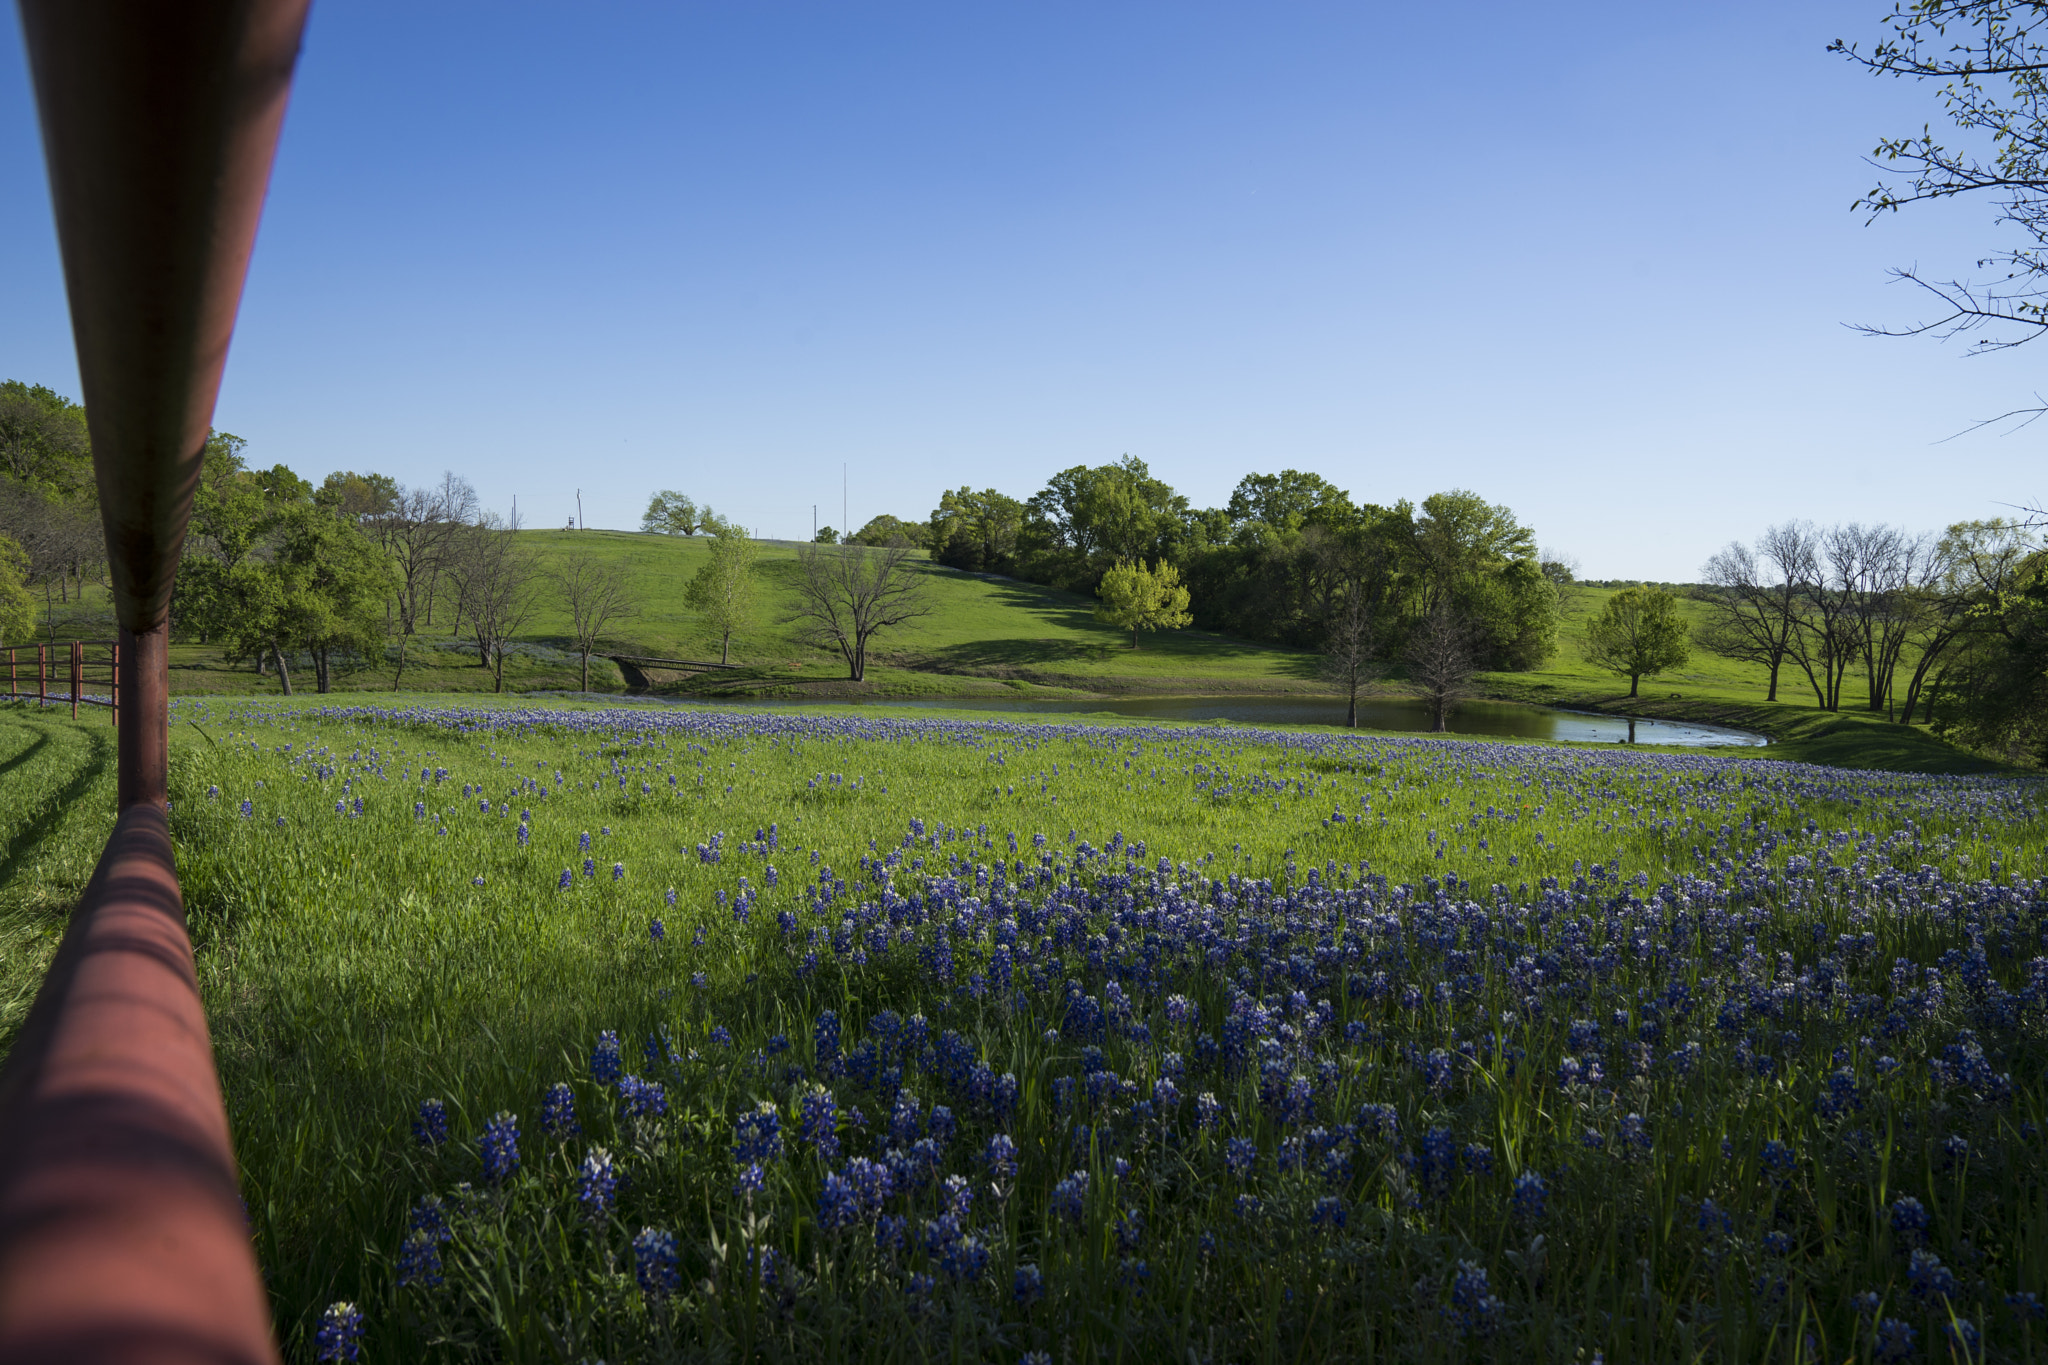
989	636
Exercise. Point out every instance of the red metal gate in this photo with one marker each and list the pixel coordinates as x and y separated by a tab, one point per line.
86	663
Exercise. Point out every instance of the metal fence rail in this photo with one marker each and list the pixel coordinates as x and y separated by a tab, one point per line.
84	663
122	1237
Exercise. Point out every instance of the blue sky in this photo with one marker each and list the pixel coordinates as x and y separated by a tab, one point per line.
1592	261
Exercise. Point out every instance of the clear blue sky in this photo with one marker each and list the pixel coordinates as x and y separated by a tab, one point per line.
1592	261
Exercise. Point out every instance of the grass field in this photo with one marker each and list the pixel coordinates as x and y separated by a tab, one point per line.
1534	1053
999	637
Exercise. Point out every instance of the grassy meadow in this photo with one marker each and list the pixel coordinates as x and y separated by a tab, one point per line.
909	1039
1000	638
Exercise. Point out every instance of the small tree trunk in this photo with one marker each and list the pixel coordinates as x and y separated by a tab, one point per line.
725	649
284	670
586	670
498	671
262	663
1134	637
1351	712
321	674
403	640
1634	681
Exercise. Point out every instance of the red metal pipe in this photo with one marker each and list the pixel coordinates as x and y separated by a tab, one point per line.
122	1235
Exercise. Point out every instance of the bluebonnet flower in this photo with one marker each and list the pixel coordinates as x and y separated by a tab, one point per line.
596	1183
568	878
1249	1207
1531	1196
583	842
642	1099
340	1335
757	1134
500	1147
590	867
1208	1111
1000	1156
1069	1197
419	1260
248	808
655	1265
604	1058
1894	1340
670	897
618	871
1777	1243
2025	1305
1909	1219
427	1218
430	1124
1867	1303
1027	1285
558	1112
1474	1307
825	1040
750	1181
819	1124
1778	1159
1328	1212
1963	1336
656	930
1238	1156
1929	1278
721	1036
1714	1220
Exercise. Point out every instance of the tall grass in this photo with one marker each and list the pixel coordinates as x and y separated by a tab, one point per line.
1307	1046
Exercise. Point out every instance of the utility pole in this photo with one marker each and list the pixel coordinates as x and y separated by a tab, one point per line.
579	511
843	527
814	523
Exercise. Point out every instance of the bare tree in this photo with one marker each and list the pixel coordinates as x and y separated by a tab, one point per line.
457	505
846	594
494	579
1752	597
1355	642
1441	660
597	596
419	533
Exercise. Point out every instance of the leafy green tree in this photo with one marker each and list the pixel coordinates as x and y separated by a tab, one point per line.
1085	520
723	587
1136	598
1285	501
44	442
1638	634
332	583
1993	695
825	536
888	530
669	513
17	608
369	500
1476	558
976	532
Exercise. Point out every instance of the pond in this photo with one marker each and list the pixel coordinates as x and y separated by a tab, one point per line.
1379	713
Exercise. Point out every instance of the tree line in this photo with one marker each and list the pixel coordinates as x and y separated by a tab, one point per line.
1286	560
1952	626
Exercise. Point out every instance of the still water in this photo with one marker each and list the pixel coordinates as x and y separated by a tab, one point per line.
1471	718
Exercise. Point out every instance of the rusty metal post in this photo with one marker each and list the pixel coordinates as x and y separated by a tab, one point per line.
121	1235
144	742
42	677
77	674
114	684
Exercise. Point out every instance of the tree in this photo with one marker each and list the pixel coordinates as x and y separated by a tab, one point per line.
976	532
332	585
888	530
494	578
1136	598
848	595
1994	696
1638	633
825	536
1752	597
1085	520
44	442
1283	501
1351	650
368	500
1987	58
723	586
419	535
1442	657
597	596
17	608
669	513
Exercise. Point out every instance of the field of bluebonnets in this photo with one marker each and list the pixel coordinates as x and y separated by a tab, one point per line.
646	1034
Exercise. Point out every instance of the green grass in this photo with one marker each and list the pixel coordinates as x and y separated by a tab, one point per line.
352	968
1002	638
56	811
